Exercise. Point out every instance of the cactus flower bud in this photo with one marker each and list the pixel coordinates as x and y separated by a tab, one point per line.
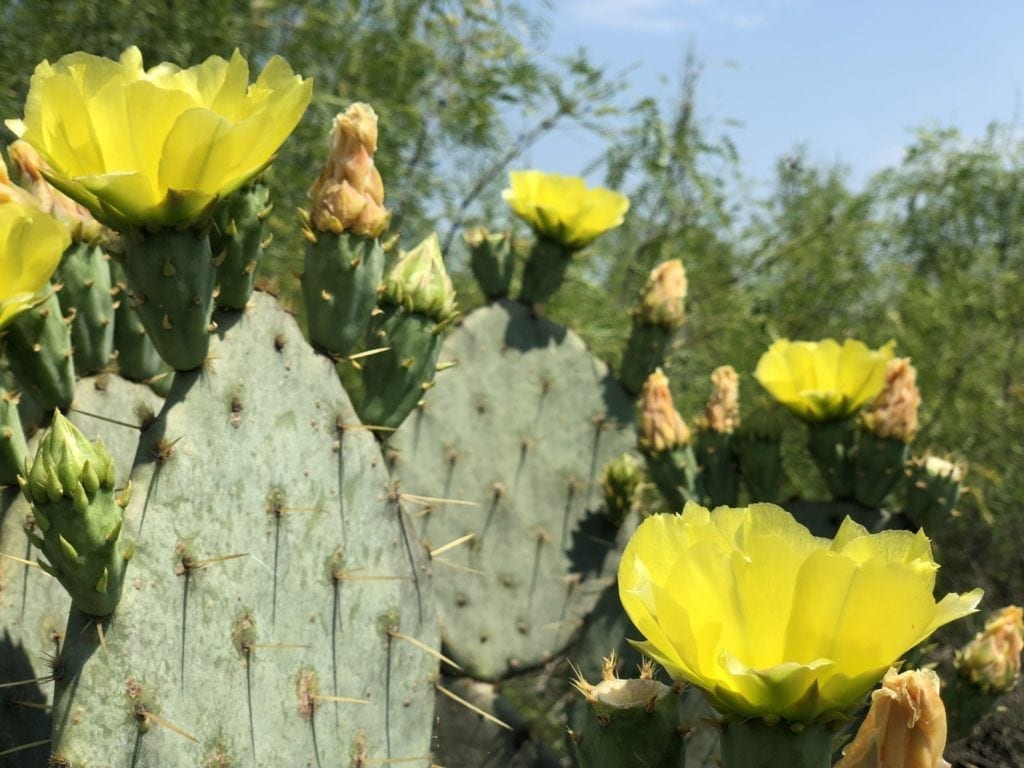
634	721
492	260
661	426
419	282
933	488
70	486
893	415
349	194
992	659
906	725
723	411
30	168
662	297
936	466
619	481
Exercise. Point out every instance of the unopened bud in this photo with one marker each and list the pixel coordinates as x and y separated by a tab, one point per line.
619	482
893	415
906	725
663	296
348	196
723	412
992	659
661	426
28	166
419	282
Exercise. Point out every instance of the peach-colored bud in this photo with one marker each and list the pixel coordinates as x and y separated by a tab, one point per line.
906	725
348	196
29	166
663	296
723	411
992	659
893	415
661	426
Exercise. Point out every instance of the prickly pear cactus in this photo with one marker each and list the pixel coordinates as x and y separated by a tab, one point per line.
273	571
515	435
33	605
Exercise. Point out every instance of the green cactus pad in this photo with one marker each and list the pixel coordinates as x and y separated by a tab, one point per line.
13	450
38	349
85	297
137	358
516	433
33	605
339	289
171	278
236	241
273	568
394	381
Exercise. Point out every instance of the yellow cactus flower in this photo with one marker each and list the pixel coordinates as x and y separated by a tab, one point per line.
562	209
772	621
31	244
992	659
822	380
158	146
905	726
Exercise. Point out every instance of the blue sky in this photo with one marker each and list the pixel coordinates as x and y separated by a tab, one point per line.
849	79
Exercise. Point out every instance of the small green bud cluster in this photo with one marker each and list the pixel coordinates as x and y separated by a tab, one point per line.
70	486
419	282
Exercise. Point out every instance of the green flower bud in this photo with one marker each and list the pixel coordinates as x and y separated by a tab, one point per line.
620	480
418	282
70	486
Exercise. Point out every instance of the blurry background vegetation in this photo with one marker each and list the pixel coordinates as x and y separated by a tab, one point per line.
930	253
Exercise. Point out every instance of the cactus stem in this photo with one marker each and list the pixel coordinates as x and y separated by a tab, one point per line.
46	568
41	520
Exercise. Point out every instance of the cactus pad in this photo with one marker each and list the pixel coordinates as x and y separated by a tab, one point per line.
516	434
273	570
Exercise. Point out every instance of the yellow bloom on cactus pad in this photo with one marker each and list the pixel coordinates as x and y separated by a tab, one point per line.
772	621
157	146
821	380
562	209
31	244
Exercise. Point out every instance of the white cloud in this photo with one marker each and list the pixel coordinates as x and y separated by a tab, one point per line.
636	15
